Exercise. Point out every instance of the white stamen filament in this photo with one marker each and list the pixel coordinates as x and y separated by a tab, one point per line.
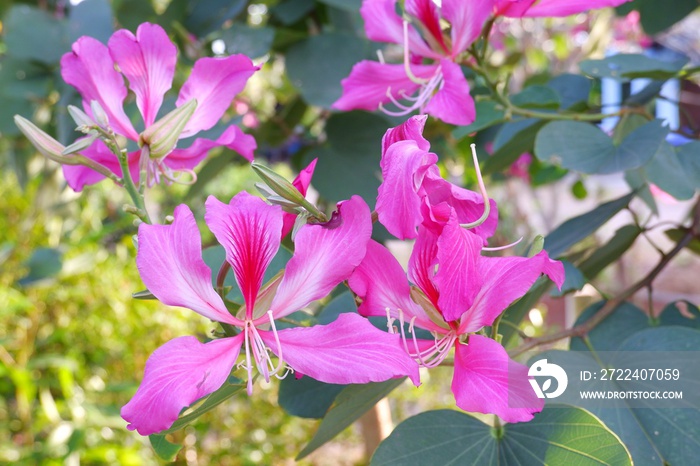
482	190
407	58
500	248
419	101
155	169
433	355
262	358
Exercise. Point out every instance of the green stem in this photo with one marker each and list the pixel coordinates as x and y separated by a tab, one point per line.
134	194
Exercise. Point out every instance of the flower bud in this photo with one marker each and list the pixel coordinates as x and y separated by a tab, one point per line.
161	137
84	122
81	144
279	185
99	113
537	246
48	146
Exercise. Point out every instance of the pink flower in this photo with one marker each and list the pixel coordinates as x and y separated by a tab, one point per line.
349	350
414	193
550	8
457	292
147	60
372	85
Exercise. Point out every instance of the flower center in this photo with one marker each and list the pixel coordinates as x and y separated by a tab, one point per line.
153	170
427	355
261	355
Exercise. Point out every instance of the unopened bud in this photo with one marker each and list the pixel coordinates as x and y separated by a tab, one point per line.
162	136
99	114
81	144
45	144
537	246
84	122
279	184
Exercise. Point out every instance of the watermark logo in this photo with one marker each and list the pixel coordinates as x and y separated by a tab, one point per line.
543	369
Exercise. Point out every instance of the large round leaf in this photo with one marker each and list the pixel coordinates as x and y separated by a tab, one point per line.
558	435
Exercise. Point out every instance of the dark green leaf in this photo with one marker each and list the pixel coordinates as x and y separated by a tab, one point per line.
610	252
675	234
250	41
572	89
488	113
636	179
574	145
512	141
145	294
290	11
206	16
688	317
537	96
344	302
517	311
630	66
316	65
353	153
689	157
90	18
43	263
643	97
349	5
626	320
574	280
638	148
228	390
656	16
131	13
307	397
349	405
574	230
163	448
557	436
33	34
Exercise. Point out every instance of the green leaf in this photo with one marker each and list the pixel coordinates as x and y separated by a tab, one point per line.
307	397
556	436
654	435
689	317
251	41
488	113
517	311
625	320
316	65
574	280
228	390
675	234
512	141
578	228
349	5
344	302
349	405
290	11
574	145
353	152
536	96
656	16
33	34
90	18
163	448
44	263
572	89
610	252
629	66
636	179
206	16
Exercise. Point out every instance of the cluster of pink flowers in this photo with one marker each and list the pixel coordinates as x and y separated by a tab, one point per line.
430	79
457	292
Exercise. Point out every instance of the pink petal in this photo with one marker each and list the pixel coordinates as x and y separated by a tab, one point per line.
369	82
467	19
382	24
348	350
512	8
78	176
249	230
301	182
324	256
426	12
487	381
409	130
558	8
506	279
177	374
398	202
214	82
421	264
148	62
467	205
382	284
233	138
452	103
456	277
170	262
90	69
